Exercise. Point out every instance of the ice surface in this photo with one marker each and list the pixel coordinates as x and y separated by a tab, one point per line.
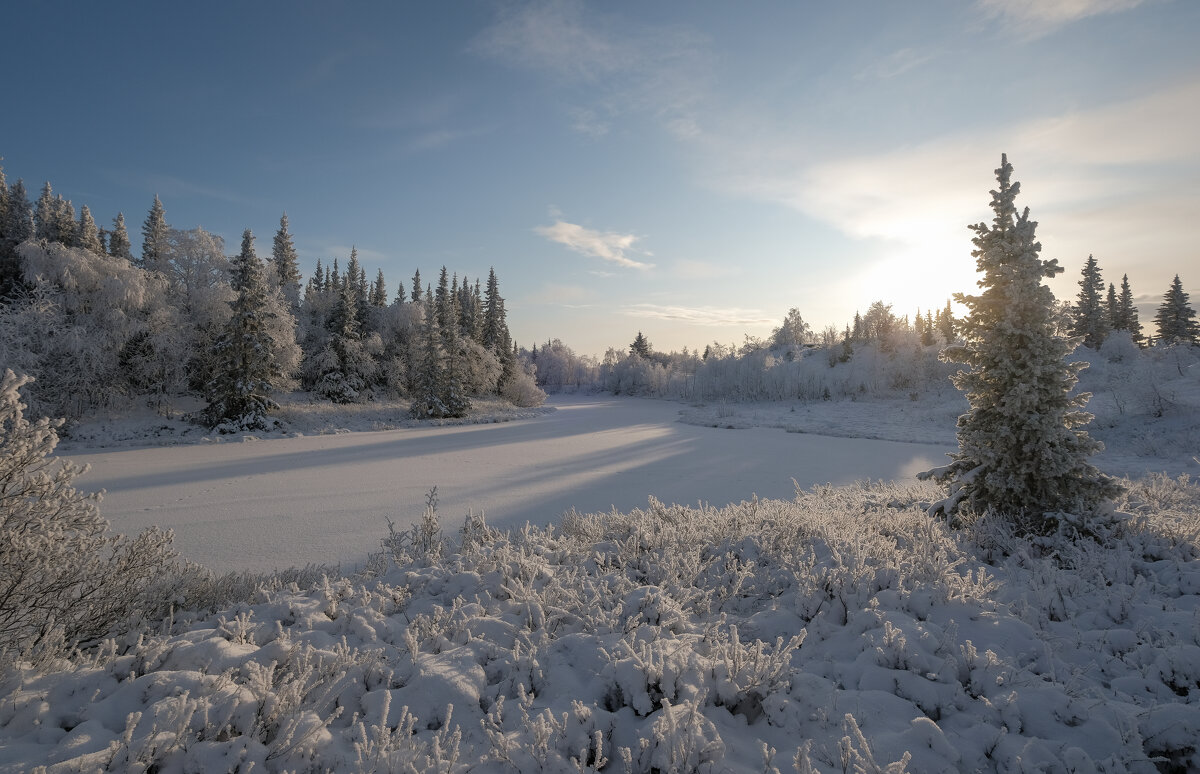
271	503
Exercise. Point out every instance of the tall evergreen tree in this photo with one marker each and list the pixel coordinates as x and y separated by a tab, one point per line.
428	388
1112	309
1022	453
947	325
1176	320
640	346
379	291
88	236
19	221
416	287
495	319
286	263
45	219
1090	318
118	242
245	370
454	395
64	229
155	236
928	330
1127	314
3	202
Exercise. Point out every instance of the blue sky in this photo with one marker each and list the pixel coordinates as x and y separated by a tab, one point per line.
691	170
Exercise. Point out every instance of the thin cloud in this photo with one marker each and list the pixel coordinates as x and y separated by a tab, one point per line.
607	245
1035	18
700	315
895	64
655	70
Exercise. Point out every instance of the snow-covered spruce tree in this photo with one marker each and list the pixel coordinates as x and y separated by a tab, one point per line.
427	387
155	233
1176	320
118	240
246	370
286	263
454	386
1022	454
87	235
345	367
1127	315
63	580
1090	317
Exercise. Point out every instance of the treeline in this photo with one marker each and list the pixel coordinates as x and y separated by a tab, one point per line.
97	325
878	353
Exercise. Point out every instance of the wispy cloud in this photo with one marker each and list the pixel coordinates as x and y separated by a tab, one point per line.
440	138
1034	18
608	245
617	69
895	64
700	315
1089	165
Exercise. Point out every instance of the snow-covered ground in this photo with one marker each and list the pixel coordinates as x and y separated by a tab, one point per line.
262	503
837	629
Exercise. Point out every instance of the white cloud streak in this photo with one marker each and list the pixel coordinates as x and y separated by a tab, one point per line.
607	245
700	315
1035	18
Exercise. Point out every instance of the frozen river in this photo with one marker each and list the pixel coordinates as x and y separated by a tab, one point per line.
273	503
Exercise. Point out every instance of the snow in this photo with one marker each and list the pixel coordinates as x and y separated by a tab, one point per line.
325	499
835	628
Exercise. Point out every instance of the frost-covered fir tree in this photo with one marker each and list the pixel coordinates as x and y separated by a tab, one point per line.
379	291
1022	453
155	233
640	346
416	287
345	367
246	370
1176	320
1090	315
118	240
286	263
428	385
87	235
495	323
1127	314
454	386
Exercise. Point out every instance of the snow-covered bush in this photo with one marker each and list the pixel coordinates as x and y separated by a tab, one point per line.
842	631
63	579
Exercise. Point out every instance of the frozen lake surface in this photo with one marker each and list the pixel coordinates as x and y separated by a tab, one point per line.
267	504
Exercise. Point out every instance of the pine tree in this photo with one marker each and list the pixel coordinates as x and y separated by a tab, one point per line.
1021	452
428	389
640	346
118	242
454	395
1127	314
1175	319
3	201
346	367
947	325
416	287
928	330
379	291
44	219
19	221
495	318
1112	309
88	235
155	234
400	293
1090	320
246	372
286	263
64	229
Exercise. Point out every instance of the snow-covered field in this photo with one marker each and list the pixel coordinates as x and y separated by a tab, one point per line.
837	629
255	504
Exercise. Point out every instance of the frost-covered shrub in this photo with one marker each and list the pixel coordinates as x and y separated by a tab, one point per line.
520	388
64	580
